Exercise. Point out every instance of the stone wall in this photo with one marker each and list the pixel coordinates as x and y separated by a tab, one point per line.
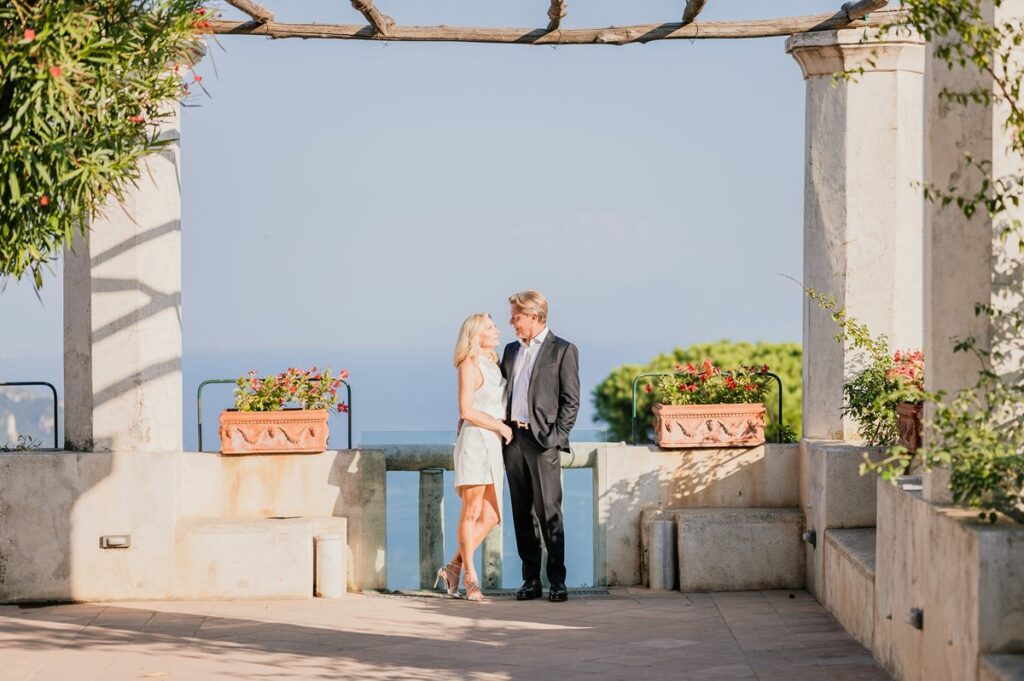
55	506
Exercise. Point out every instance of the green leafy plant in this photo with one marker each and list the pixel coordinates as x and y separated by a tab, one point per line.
612	398
296	388
882	379
25	443
84	87
978	433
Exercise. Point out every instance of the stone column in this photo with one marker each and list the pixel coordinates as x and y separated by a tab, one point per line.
862	210
965	262
122	318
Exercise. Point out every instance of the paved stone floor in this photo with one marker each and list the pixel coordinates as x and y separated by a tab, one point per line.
630	634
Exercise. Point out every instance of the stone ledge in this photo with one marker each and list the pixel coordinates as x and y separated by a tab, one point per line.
857	546
849	576
740	549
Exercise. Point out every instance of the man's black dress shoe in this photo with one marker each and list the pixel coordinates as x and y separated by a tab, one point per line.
530	589
558	593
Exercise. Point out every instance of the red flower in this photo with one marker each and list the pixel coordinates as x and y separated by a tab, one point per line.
764	369
344	374
44	200
342	408
200	10
136	119
318	377
648	388
30	35
199	79
55	71
679	367
730	382
750	387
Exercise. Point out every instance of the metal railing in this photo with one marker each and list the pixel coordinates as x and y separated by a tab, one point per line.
234	381
53	390
431	461
779	430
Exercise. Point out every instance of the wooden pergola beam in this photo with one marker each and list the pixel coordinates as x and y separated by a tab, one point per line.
259	13
557	12
860	9
381	23
693	8
624	35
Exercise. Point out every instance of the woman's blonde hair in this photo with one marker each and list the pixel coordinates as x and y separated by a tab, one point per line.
468	344
531	302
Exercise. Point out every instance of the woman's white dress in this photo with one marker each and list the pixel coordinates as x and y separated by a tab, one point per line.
478	459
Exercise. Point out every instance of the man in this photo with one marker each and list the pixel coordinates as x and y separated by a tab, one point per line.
543	389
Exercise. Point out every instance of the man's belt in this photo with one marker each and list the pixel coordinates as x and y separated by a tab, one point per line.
521	424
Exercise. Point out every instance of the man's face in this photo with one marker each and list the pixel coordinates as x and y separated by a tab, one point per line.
526	325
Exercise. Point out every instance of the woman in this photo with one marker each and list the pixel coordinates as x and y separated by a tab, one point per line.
479	471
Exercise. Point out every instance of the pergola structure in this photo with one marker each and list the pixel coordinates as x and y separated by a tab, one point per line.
908	269
382	27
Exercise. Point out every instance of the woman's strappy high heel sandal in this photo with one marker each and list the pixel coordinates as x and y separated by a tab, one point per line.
449	574
473	591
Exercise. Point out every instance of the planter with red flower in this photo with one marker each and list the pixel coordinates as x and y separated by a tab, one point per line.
708	407
284	413
907	373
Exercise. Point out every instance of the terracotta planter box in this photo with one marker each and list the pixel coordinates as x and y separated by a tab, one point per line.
709	425
291	431
909	424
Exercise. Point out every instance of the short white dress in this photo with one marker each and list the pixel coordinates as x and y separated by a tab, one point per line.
478	459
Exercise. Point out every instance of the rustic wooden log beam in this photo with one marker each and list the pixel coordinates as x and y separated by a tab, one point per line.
861	8
381	23
761	28
557	12
693	8
259	13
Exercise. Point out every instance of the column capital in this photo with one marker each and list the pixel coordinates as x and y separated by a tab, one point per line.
823	53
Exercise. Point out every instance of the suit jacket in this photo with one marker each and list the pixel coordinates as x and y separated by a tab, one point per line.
554	394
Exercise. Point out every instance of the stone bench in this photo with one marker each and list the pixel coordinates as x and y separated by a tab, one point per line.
849	587
227	559
731	549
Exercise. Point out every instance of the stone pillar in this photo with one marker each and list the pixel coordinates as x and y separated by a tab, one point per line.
431	525
122	317
862	210
965	262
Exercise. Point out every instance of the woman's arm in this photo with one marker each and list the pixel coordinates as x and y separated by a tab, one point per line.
470	379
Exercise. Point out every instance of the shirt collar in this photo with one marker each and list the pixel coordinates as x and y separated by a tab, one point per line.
537	340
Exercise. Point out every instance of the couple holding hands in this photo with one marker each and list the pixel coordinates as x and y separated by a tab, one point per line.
515	418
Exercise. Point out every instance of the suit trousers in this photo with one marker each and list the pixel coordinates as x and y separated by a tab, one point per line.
535	490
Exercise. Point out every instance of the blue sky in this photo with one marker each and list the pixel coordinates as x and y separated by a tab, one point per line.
352	199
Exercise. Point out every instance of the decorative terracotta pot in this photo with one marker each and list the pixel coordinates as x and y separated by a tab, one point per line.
290	431
909	424
709	425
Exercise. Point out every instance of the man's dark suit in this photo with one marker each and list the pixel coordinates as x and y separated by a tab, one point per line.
533	459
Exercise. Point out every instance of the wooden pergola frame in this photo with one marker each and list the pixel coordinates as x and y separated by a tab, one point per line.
863	13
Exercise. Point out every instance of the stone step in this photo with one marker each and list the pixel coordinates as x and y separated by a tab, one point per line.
731	549
222	559
1001	668
849	588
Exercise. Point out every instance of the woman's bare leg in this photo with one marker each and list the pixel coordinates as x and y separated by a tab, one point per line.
484	523
472	505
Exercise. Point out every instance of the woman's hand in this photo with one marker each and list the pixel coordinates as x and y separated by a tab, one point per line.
506	433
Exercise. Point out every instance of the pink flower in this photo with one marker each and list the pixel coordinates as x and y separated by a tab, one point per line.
136	119
55	71
342	408
44	200
30	35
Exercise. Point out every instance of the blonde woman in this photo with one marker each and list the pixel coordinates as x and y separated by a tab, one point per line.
479	471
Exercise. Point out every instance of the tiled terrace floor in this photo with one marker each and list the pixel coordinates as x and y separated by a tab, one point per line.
630	634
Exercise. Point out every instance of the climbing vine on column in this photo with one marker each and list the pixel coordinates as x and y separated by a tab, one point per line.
84	86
